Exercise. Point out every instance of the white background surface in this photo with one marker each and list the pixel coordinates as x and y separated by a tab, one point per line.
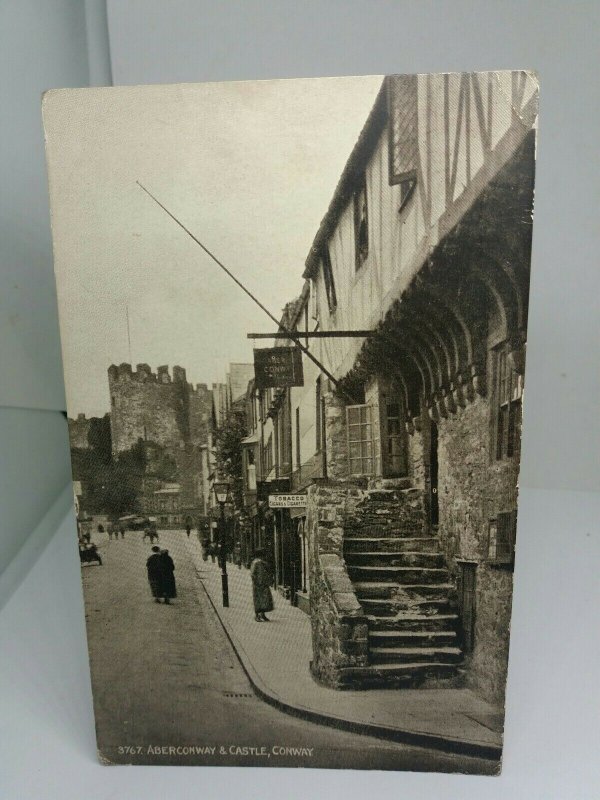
46	728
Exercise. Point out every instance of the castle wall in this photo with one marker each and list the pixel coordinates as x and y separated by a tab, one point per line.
165	411
78	431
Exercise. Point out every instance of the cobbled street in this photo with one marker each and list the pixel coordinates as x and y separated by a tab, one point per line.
166	675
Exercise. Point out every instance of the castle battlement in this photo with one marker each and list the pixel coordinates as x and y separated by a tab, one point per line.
143	374
79	418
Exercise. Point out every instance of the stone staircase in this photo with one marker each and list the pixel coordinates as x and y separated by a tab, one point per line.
403	585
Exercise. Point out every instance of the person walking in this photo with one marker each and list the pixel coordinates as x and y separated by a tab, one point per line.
261	582
188	528
154	566
169	590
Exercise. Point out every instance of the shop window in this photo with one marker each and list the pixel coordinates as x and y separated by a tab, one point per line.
328	279
502	537
360	439
509	393
361	224
268	456
250	471
298	459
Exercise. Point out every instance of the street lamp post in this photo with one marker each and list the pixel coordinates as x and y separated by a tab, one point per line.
222	494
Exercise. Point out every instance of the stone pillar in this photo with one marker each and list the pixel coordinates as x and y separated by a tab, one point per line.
336	439
339	626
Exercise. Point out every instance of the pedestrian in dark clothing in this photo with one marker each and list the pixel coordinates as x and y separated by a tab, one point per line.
205	549
169	589
154	565
122	531
261	592
188	529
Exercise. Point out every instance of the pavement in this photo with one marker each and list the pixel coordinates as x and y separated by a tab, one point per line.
276	656
169	688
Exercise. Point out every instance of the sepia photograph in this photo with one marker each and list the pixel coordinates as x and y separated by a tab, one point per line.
293	319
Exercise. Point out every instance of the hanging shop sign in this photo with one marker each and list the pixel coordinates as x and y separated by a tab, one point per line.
276	367
287	501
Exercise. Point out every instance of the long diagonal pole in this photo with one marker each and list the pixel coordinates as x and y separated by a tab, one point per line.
292	335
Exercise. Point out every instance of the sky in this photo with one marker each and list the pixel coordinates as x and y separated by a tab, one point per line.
249	167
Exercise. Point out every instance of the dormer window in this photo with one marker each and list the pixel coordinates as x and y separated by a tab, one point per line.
361	224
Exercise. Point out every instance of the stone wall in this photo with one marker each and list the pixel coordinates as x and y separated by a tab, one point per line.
339	627
472	488
144	406
336	439
168	412
78	431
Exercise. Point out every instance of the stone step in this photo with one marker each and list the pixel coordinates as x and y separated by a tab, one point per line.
375	531
394	544
414	655
384	511
395	675
398	575
405	620
388	558
383	607
390	483
385	590
418	638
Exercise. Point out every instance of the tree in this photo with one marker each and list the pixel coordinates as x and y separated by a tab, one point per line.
228	448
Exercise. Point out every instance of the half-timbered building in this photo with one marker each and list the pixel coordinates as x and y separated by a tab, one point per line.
426	243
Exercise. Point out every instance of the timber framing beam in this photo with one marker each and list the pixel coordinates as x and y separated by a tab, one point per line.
312	335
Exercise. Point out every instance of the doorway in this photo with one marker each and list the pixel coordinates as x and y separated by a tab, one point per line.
466	603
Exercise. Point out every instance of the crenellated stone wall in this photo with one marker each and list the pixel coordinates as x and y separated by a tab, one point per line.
168	412
78	431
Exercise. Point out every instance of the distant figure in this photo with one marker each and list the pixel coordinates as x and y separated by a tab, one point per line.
89	553
122	530
205	548
169	589
188	529
150	533
154	566
261	592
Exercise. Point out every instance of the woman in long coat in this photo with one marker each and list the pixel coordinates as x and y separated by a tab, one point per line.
169	589
155	573
261	592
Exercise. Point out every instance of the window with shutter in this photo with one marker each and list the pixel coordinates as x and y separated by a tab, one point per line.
509	392
361	224
502	537
402	131
360	439
328	279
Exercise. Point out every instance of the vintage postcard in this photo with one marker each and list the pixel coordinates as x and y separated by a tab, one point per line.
294	323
